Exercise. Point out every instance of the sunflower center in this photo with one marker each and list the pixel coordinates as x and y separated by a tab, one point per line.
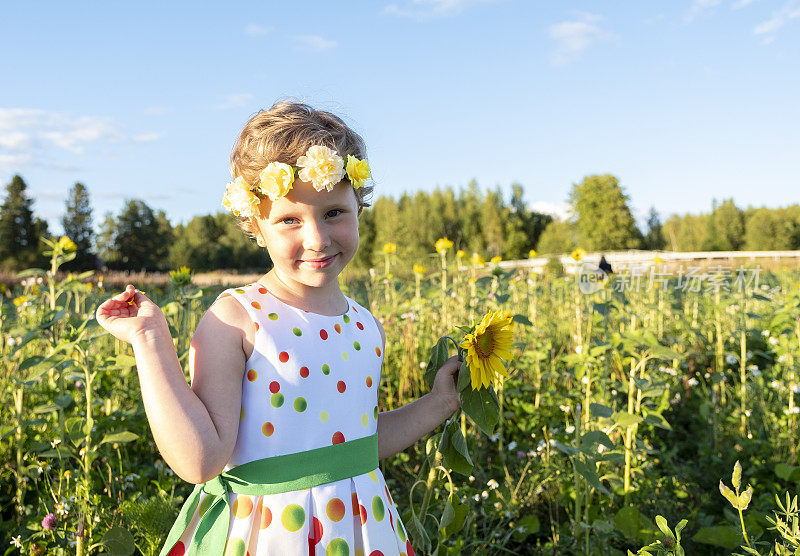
483	344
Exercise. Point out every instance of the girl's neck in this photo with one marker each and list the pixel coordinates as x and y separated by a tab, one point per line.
328	301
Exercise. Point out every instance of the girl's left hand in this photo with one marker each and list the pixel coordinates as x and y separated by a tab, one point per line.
444	385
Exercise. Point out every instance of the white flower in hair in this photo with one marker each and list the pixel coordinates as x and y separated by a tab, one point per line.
239	200
321	166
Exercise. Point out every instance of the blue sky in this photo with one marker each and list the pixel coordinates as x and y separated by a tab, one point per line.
683	100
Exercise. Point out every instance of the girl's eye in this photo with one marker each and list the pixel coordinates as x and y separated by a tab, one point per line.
334	212
288	220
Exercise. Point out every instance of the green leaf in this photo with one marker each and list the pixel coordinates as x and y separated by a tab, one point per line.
464	377
31	361
719	535
530	526
460	514
625	419
660	352
662	524
120	437
522	319
784	471
591	438
482	406
125	360
628	521
590	475
656	419
502	298
118	541
438	356
448	515
600	410
455	453
569	450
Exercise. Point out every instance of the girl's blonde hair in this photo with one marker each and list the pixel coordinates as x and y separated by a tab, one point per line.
283	134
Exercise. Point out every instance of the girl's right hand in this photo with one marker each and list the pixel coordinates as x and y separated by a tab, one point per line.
130	315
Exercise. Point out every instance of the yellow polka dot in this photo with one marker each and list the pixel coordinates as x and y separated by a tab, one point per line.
364	419
372	475
242	506
345	356
241	414
323	416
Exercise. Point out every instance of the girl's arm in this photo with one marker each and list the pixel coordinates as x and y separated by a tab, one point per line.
195	427
402	427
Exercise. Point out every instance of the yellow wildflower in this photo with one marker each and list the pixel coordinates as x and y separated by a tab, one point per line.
67	245
357	171
460	254
578	253
658	259
419	269
486	347
20	300
532	253
478	260
496	259
389	248
443	244
35	289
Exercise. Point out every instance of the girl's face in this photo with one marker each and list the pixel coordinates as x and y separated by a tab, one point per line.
311	235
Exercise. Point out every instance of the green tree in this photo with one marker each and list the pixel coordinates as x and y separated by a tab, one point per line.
492	222
654	238
725	227
215	242
77	224
142	237
769	230
19	231
558	237
469	216
602	215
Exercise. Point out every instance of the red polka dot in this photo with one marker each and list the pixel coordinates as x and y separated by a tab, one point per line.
338	437
266	517
283	357
274	387
354	309
363	514
338	328
360	326
323	334
262	290
267	428
377	351
256	304
252	375
304	372
391	521
355	504
389	496
376	553
409	549
178	549
341	386
256	325
369	382
315	534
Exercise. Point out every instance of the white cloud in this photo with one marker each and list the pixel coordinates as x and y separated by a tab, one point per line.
561	211
573	37
314	42
236	100
425	9
147	137
741	4
698	7
34	137
257	30
767	29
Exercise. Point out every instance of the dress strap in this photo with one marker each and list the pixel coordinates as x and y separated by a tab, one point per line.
273	475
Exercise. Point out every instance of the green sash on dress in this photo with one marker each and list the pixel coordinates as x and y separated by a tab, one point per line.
297	471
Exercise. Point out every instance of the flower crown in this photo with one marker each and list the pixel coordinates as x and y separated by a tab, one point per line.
321	166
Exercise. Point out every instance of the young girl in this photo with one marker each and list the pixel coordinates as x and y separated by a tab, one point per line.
280	428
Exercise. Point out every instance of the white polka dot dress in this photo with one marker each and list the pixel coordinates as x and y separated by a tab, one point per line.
311	381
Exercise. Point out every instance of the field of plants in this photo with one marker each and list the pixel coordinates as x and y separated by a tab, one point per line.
652	412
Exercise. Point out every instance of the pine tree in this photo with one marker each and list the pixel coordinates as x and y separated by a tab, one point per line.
19	242
77	224
654	238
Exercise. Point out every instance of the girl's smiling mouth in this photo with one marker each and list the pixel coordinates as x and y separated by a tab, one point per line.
319	263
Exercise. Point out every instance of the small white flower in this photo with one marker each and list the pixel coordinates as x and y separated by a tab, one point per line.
11	341
39	280
794	387
492	484
484	495
495	437
585	379
791	411
17	541
754	370
512	445
731	359
747	413
775	384
692	382
782	358
578	349
477	497
773	341
750	435
471	478
508	514
765	333
564	408
55	442
422	364
570	429
62	508
600	448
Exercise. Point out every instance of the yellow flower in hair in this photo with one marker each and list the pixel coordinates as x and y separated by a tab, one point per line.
443	244
389	248
486	346
578	253
276	180
357	171
239	200
321	166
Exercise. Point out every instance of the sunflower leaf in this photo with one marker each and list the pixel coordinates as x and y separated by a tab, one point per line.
482	406
455	454
464	378
438	356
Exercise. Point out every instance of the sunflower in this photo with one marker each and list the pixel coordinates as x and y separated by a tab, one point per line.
486	347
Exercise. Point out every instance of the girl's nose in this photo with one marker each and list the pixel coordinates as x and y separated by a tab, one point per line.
316	237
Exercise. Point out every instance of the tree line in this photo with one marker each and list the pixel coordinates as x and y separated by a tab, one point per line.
485	222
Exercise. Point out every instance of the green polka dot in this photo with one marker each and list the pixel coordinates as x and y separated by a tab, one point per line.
238	290
375	412
401	530
377	508
205	504
357	346
346	318
345	356
235	547
293	517
272	316
326	370
364	419
276	400
323	416
300	404
297	331
337	547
